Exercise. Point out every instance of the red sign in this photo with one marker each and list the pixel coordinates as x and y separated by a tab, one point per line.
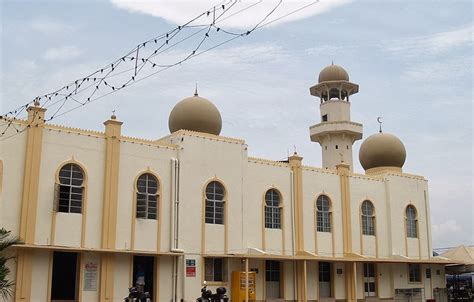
190	271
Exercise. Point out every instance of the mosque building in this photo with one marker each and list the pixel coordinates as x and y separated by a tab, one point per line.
99	212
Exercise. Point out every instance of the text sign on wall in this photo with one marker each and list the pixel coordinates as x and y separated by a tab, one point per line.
190	268
90	276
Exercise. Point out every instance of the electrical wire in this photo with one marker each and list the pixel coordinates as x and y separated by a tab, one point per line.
108	69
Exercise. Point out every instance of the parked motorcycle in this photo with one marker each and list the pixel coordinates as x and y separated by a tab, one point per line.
208	296
134	295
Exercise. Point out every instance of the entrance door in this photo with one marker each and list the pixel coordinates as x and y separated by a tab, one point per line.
369	280
272	279
324	279
64	281
143	273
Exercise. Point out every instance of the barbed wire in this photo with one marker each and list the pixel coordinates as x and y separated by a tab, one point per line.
140	58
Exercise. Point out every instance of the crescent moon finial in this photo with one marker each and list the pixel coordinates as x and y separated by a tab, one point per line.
379	120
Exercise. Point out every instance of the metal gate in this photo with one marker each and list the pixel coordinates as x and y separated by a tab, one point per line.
410	294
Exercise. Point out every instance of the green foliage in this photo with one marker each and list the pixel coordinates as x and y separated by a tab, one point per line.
6	286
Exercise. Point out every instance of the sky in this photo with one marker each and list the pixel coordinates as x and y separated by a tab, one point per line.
412	59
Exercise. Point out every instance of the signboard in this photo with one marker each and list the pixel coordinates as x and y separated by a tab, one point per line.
190	268
90	275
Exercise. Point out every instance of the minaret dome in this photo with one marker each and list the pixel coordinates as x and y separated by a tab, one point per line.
336	133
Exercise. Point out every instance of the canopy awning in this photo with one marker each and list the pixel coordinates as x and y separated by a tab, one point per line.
463	257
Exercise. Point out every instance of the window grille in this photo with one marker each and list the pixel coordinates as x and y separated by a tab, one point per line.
272	209
70	190
368	218
215	203
324	272
323	214
414	271
147	196
214	269
272	270
411	222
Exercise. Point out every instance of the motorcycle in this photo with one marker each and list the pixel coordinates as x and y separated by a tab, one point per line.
208	296
134	295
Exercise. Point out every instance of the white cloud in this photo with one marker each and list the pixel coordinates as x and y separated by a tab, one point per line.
180	12
436	71
49	26
434	44
62	53
449	232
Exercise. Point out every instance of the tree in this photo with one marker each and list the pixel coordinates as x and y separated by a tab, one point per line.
6	286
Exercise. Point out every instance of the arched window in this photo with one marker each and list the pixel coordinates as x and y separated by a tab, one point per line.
368	218
272	209
411	222
215	203
70	190
323	214
147	196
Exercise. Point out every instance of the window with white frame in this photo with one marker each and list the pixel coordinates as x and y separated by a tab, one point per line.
414	272
69	193
368	218
215	203
323	214
411	222
214	269
272	209
147	196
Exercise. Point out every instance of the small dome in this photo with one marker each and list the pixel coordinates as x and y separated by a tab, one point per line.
333	73
196	114
382	150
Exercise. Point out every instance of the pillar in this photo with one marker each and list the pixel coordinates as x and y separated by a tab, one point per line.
29	200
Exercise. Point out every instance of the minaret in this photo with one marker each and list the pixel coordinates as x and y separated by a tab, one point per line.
336	133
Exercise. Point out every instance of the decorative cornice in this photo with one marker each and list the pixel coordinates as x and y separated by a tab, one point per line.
148	142
268	162
74	130
183	132
319	170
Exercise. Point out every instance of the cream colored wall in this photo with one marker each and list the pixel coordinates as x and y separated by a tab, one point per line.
315	183
332	156
365	188
39	286
88	152
203	159
199	164
400	277
312	275
384	280
336	110
68	232
439	281
405	190
136	159
121	276
165	276
289	285
261	176
12	154
360	280
339	280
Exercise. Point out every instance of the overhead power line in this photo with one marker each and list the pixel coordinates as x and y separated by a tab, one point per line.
147	56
